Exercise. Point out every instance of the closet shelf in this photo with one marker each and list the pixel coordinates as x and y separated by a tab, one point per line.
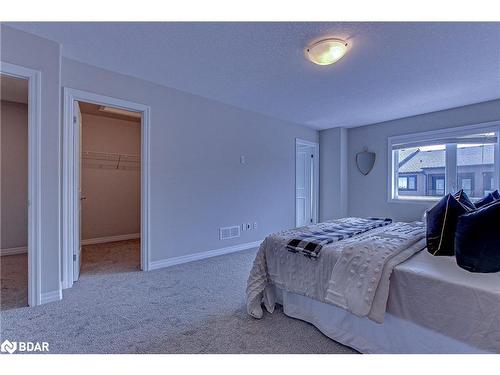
111	156
111	160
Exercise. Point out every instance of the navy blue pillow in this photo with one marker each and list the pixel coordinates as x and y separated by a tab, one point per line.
484	201
496	194
441	225
477	239
462	197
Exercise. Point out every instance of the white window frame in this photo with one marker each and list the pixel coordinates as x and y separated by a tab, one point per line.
451	162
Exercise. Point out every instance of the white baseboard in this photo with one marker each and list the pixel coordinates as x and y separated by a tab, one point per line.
122	237
203	255
55	295
14	250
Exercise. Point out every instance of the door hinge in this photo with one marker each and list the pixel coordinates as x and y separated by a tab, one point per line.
74	119
74	257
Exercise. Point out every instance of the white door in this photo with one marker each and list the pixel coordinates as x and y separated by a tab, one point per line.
304	185
77	122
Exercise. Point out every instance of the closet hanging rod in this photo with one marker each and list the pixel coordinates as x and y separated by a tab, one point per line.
111	156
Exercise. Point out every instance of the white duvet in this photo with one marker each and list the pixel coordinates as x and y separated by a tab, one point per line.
353	273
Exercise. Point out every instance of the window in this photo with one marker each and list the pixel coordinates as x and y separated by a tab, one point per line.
437	185
429	165
466	182
488	182
475	160
407	182
425	164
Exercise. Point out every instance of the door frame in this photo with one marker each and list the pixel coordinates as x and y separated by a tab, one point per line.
71	176
34	176
315	202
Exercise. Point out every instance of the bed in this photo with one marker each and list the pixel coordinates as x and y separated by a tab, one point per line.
428	305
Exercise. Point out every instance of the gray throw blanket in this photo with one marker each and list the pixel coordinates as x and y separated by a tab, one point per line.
309	240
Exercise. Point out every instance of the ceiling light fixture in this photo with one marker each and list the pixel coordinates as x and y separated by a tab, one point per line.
119	111
326	51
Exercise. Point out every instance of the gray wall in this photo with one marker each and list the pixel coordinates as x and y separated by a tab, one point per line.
197	181
112	204
368	194
14	175
333	173
30	51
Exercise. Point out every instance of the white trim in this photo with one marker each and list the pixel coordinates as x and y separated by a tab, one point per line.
315	202
71	174
53	296
34	78
493	126
303	142
450	168
392	195
122	237
202	255
422	201
14	251
432	134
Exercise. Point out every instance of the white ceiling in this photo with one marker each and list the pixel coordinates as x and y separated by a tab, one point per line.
392	70
13	89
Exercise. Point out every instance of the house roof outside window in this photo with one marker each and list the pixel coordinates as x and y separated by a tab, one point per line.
478	155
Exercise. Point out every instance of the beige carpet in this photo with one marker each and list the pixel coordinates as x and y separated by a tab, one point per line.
197	307
13	281
112	257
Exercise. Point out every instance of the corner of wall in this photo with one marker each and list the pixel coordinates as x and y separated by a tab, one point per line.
344	177
333	173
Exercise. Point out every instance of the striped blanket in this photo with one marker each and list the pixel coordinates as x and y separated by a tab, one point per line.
309	240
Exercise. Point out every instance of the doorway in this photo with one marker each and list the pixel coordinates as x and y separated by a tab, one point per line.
105	185
20	234
306	182
110	198
14	192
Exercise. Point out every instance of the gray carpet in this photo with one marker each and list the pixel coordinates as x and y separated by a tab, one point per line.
197	307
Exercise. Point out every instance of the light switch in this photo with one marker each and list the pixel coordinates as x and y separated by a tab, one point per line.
243	160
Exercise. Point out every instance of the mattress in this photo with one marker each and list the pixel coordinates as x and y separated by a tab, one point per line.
427	295
433	292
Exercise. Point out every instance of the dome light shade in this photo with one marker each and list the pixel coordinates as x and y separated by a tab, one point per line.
326	51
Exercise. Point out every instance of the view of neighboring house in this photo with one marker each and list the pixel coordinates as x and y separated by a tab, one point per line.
422	172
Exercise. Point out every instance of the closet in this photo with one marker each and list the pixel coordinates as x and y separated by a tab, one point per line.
110	189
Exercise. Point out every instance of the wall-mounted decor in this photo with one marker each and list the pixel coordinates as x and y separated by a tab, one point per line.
365	161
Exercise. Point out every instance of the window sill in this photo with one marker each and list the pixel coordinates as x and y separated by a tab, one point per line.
414	200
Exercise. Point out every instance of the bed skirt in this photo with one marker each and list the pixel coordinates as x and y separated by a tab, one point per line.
395	335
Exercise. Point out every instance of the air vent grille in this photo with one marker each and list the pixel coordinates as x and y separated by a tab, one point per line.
229	232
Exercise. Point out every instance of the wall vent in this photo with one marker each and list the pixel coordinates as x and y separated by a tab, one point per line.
229	232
